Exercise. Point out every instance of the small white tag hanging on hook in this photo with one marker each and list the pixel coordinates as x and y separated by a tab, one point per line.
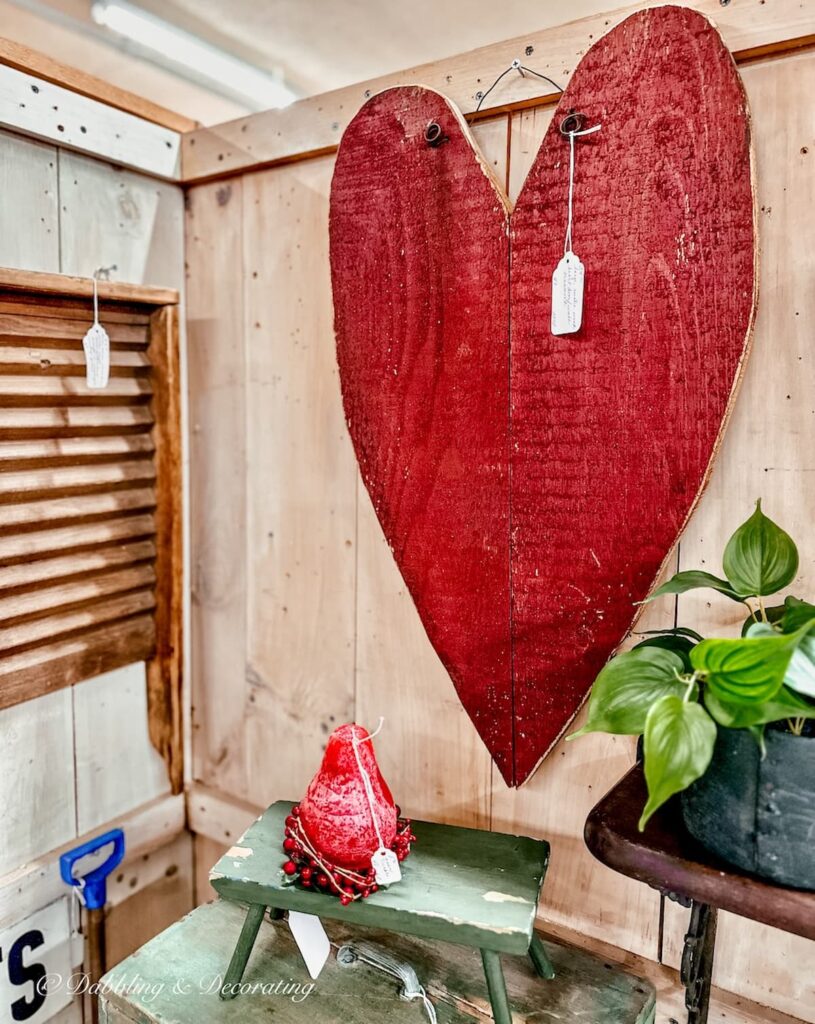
569	276
96	344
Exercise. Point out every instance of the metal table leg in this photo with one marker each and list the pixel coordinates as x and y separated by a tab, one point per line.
697	961
496	986
243	949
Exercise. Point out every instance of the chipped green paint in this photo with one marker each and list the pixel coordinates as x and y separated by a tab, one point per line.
459	885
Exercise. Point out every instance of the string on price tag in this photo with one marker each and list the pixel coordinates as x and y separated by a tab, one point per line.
384	861
569	276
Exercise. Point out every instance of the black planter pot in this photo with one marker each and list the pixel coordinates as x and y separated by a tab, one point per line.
758	814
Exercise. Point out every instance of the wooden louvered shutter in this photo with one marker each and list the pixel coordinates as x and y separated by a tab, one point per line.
90	502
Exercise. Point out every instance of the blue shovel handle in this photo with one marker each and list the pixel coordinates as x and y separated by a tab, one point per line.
94	884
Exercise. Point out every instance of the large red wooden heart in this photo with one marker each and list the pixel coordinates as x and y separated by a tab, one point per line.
531	486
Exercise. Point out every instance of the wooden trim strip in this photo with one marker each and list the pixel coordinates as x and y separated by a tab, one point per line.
42	110
164	670
312	127
82	288
22	58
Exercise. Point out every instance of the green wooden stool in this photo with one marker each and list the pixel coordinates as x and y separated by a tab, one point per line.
458	885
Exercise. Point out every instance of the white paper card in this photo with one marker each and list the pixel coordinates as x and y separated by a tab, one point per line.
386	867
311	940
97	356
567	295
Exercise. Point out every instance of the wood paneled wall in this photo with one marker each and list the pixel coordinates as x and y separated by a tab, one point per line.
301	621
74	761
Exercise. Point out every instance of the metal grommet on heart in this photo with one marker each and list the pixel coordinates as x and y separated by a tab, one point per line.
434	135
572	122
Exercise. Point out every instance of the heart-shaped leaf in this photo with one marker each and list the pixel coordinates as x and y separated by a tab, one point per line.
750	670
679	645
760	558
624	691
679	741
733	715
800	674
694	579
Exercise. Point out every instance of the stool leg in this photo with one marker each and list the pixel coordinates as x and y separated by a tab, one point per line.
246	939
540	959
496	986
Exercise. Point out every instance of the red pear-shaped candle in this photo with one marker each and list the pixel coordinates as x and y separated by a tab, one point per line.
346	816
335	813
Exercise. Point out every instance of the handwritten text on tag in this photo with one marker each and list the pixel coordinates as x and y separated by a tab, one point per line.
386	867
567	295
97	356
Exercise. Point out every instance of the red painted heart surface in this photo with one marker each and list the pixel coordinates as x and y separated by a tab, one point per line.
531	486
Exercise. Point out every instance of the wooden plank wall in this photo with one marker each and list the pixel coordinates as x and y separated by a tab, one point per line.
300	619
73	761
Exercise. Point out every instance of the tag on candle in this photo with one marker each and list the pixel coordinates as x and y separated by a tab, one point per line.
97	356
567	295
311	940
386	867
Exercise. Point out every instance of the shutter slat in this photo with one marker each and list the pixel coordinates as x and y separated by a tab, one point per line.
105	610
77	479
42	543
41	602
30	574
25	390
13	324
67	362
48	667
81	507
74	421
73	449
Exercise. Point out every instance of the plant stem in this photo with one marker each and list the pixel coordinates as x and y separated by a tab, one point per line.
689	690
761	609
751	610
796	726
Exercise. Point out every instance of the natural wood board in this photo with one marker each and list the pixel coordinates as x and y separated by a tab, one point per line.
290	352
36	107
43	725
117	767
218	483
313	126
23	58
164	671
62	285
28	183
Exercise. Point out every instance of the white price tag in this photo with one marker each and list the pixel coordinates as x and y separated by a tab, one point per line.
386	867
97	356
311	940
567	295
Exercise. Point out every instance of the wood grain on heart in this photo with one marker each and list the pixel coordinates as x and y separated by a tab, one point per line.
531	486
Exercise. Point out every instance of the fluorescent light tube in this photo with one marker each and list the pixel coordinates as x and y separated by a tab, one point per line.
178	46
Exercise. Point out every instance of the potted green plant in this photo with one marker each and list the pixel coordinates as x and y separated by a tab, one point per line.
728	722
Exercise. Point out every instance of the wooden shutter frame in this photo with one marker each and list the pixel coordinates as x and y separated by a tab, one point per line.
158	635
